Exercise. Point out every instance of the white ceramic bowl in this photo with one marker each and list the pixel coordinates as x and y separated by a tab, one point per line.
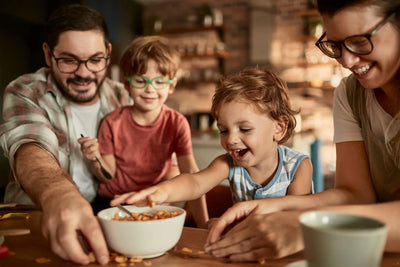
144	239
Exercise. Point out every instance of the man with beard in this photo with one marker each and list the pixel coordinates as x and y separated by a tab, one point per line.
44	114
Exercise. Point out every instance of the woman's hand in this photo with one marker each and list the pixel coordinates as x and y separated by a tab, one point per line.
238	212
231	216
259	236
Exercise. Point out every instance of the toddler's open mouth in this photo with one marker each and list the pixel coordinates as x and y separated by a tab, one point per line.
240	152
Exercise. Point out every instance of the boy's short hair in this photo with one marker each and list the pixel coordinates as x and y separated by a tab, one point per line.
142	49
74	17
262	88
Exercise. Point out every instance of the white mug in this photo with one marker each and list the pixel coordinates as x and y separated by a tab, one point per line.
334	239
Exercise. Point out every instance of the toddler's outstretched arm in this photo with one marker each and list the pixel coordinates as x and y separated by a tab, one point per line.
183	187
146	197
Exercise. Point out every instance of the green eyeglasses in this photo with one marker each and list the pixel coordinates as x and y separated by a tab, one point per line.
140	82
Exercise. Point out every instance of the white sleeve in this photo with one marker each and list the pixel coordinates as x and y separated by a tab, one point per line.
346	127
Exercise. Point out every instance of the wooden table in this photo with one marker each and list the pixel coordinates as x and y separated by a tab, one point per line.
25	249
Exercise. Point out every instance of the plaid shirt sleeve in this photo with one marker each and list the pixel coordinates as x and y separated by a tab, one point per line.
34	111
26	118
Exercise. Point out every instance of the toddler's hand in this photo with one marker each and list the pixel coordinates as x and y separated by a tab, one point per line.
119	199
146	197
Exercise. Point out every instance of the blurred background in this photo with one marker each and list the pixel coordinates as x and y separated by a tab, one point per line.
215	38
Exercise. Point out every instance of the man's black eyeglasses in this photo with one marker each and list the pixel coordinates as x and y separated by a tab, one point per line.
71	65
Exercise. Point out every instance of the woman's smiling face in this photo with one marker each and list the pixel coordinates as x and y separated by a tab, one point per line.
381	66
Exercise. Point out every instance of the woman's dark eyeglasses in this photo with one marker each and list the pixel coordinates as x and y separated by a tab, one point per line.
71	65
356	44
140	82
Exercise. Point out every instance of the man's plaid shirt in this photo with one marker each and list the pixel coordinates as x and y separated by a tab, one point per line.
35	111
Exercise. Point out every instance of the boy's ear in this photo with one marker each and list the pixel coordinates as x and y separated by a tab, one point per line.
172	86
125	82
127	85
280	128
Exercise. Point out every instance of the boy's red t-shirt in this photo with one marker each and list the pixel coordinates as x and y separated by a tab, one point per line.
142	153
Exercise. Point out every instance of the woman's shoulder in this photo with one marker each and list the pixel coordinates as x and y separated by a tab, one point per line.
342	92
349	89
344	83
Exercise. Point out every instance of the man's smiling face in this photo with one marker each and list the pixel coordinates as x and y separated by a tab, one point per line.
82	86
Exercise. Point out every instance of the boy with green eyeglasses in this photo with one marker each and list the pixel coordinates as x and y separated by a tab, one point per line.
135	143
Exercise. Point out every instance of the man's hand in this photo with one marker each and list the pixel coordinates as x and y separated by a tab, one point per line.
65	211
65	217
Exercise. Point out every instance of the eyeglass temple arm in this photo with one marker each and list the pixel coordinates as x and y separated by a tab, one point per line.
320	39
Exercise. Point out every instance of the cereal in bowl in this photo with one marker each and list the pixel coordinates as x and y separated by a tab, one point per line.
145	216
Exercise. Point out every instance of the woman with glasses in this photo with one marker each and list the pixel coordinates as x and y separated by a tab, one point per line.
364	37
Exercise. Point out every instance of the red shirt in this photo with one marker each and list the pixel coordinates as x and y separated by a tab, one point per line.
142	153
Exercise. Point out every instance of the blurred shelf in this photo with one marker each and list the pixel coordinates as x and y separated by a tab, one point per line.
309	13
303	64
308	38
204	62
311	59
192	29
218	54
190	83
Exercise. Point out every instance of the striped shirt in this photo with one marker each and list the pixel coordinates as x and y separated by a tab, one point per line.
35	111
243	188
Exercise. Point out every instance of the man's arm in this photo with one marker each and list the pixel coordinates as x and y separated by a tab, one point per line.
65	211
